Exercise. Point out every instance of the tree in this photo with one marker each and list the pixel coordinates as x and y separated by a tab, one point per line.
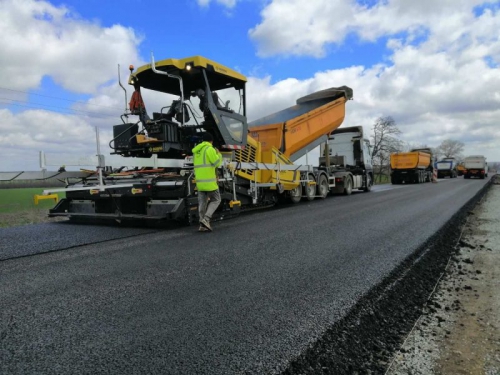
384	144
450	148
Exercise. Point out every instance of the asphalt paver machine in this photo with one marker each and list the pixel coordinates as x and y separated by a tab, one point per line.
196	95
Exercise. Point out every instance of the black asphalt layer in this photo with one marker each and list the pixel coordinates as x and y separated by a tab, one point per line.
248	298
40	238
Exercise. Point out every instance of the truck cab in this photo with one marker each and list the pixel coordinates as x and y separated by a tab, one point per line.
346	159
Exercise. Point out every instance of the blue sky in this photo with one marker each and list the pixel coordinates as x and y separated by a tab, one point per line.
422	68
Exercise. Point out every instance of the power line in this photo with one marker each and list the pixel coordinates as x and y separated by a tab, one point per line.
10	102
55	97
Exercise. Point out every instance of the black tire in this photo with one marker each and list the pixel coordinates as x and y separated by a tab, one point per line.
310	190
296	194
323	188
369	183
347	186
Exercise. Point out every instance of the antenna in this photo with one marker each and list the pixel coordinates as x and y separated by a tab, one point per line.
120	83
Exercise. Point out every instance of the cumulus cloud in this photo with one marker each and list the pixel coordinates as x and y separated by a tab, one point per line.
302	27
445	86
441	79
79	55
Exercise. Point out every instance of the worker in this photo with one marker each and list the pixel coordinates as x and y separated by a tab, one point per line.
206	159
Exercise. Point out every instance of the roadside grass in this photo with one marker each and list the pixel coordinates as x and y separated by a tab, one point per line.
17	207
382	179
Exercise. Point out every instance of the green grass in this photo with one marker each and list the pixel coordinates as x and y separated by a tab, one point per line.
383	179
14	200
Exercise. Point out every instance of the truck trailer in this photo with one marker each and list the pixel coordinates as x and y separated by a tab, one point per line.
415	166
259	167
475	166
447	167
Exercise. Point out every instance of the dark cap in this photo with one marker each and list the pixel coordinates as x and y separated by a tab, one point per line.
207	137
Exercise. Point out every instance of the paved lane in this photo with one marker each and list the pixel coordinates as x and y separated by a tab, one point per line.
244	299
40	238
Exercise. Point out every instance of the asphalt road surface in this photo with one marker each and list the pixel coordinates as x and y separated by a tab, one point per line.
245	299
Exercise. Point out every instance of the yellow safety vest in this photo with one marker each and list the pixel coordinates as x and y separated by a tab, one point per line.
206	159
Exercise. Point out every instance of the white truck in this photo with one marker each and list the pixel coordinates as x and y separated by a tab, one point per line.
346	157
475	166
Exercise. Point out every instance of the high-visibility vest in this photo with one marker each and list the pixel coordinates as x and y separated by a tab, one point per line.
206	159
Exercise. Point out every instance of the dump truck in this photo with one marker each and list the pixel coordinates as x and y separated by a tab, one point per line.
415	166
460	169
447	167
258	168
475	166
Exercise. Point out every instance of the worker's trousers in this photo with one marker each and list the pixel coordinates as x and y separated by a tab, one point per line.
205	208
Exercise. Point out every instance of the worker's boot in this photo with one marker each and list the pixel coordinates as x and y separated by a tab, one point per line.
205	223
202	229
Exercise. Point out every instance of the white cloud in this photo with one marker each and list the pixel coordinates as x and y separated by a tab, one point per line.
227	3
40	39
444	87
302	27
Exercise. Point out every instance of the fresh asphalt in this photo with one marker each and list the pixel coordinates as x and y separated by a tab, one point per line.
247	298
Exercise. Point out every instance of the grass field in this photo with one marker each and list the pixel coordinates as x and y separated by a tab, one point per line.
17	206
13	200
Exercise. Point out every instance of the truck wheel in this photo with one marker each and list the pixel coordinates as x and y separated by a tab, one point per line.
347	186
296	194
310	189
369	182
323	188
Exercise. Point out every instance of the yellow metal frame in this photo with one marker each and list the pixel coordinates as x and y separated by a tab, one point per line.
195	61
37	198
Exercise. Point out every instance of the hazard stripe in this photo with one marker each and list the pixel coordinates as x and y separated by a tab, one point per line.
234	147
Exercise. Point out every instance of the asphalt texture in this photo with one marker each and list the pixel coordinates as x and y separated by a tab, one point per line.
41	238
258	295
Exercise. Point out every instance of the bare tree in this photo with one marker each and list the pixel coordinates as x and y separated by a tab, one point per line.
450	148
385	142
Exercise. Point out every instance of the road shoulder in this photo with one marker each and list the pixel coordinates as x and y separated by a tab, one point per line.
459	330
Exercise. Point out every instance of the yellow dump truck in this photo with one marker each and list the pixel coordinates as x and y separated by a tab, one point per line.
415	166
460	169
258	166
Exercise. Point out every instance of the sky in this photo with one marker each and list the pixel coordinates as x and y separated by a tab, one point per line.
432	65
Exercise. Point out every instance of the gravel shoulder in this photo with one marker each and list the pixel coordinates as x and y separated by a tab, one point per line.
459	330
27	217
